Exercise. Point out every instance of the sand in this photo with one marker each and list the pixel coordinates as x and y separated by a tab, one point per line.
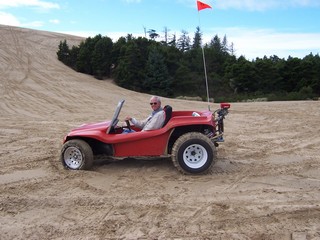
265	184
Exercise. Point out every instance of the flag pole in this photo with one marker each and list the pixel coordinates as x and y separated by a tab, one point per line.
205	68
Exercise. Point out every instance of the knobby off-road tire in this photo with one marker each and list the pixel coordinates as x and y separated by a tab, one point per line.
193	153
76	155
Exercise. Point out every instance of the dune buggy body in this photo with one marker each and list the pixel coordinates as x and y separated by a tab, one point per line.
190	138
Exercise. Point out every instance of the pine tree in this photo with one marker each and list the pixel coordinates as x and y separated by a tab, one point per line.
197	40
157	79
184	42
63	52
101	58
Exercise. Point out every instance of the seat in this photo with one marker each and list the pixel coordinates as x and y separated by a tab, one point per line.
168	112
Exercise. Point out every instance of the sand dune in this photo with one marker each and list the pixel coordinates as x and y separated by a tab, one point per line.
265	184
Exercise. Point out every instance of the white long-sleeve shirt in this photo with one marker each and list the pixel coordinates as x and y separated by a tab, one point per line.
153	122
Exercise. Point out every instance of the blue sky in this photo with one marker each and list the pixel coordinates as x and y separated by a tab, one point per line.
255	27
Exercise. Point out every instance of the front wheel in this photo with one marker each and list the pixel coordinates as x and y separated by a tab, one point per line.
193	153
76	155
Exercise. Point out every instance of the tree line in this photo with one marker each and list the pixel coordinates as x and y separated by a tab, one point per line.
175	67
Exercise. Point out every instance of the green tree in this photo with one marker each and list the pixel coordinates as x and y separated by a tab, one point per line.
290	74
63	52
267	75
309	74
101	58
130	71
197	40
243	76
184	82
84	63
224	45
153	34
183	43
73	56
117	49
157	79
173	41
172	58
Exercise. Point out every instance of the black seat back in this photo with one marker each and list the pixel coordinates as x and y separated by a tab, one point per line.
168	111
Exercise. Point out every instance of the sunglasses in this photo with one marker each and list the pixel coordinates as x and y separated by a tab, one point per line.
153	103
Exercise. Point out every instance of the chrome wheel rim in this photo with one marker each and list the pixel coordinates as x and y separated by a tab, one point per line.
73	157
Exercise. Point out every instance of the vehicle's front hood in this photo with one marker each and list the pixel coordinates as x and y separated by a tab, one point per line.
92	126
90	130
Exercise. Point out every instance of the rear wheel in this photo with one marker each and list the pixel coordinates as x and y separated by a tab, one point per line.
76	155
193	153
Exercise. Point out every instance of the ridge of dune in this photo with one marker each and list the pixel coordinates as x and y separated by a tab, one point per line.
34	81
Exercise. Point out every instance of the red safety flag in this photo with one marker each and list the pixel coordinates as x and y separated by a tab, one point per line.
202	5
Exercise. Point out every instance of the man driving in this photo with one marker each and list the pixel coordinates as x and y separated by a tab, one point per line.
155	120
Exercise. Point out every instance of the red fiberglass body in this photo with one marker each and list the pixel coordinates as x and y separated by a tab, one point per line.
145	143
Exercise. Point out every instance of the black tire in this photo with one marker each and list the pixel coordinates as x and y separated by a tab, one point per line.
193	153
76	155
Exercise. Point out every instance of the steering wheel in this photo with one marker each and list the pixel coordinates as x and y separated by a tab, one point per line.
128	125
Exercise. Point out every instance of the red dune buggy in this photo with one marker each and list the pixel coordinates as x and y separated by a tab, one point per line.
190	138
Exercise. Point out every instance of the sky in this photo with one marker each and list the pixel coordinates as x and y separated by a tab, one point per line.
255	28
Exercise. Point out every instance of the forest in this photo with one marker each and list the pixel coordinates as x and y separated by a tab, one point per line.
174	67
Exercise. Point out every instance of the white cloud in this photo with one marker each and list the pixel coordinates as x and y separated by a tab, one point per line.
11	20
253	43
84	34
113	35
28	3
132	1
8	19
34	24
258	5
54	21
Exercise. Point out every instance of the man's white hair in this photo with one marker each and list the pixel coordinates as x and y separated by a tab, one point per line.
158	99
